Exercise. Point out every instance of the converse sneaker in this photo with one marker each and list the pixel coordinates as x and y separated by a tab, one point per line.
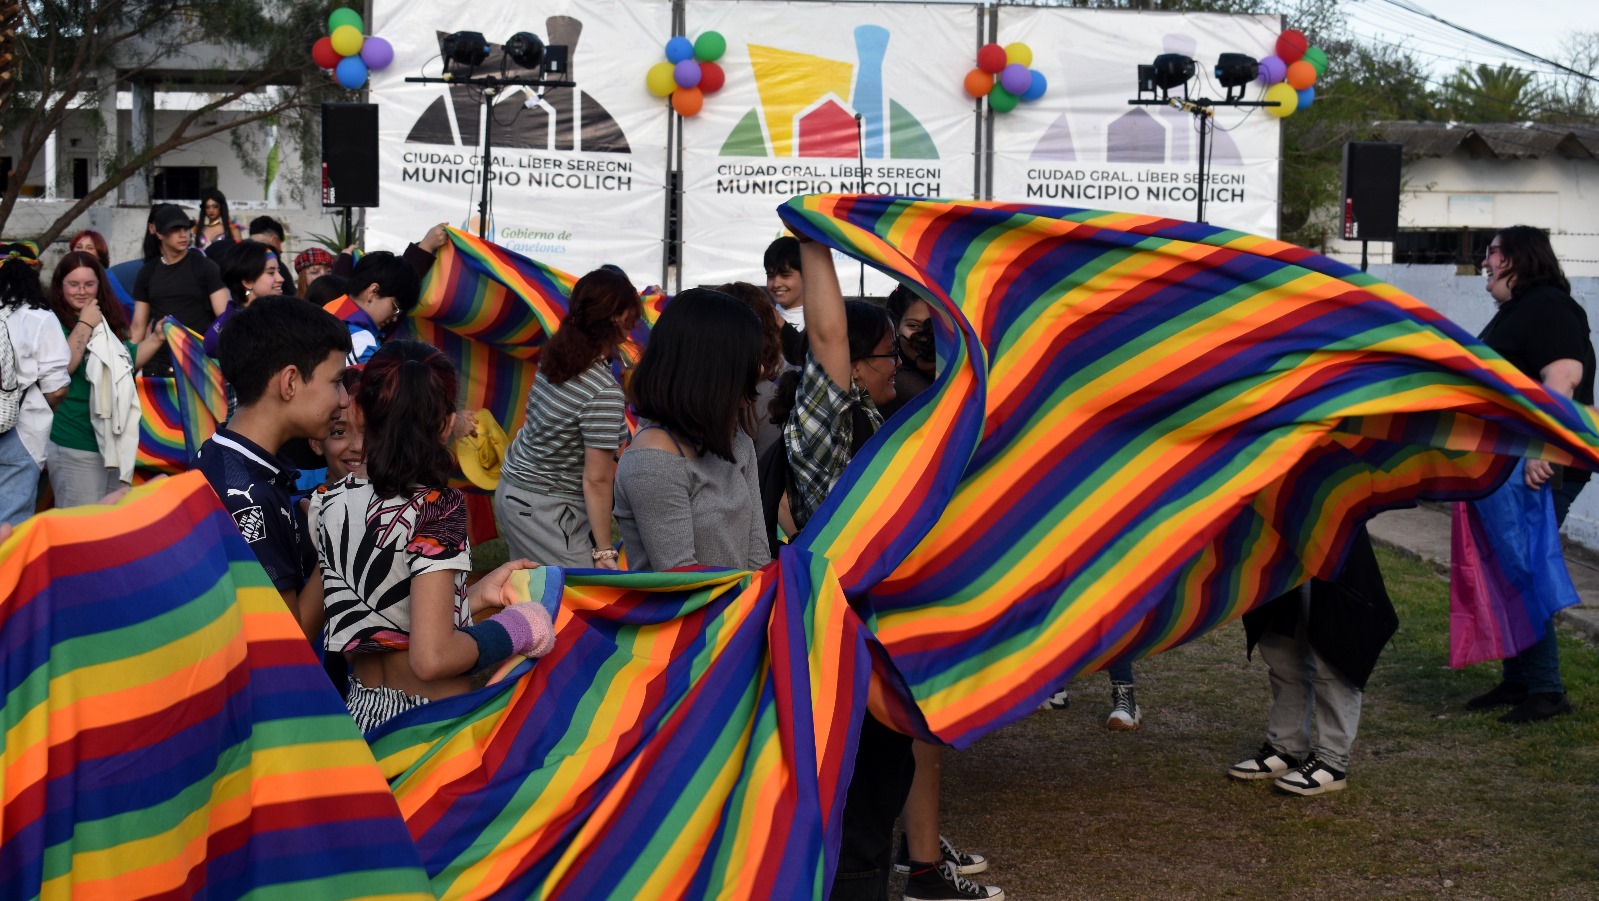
1124	713
965	864
1266	764
942	883
1060	700
1312	777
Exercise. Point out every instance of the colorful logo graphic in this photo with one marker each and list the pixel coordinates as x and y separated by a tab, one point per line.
578	121
811	106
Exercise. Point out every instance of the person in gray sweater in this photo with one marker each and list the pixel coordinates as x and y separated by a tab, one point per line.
686	488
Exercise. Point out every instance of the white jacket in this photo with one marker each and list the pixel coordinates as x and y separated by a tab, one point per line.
113	401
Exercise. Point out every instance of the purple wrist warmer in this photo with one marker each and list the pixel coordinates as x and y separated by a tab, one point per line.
532	633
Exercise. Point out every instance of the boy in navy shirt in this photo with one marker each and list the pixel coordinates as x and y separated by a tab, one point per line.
285	361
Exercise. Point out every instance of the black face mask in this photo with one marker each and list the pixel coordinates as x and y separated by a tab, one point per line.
919	347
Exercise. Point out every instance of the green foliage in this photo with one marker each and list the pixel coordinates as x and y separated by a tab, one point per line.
1485	93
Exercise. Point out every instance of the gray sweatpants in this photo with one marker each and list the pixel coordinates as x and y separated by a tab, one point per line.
1303	683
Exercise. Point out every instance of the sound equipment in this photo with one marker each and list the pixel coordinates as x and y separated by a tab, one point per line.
1371	190
349	155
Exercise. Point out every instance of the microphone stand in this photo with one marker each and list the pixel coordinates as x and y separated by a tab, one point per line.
860	181
1204	112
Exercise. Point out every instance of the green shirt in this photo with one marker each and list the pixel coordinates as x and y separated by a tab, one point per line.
72	428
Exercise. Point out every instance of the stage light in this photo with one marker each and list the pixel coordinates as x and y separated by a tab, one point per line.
1235	71
1172	70
466	48
525	49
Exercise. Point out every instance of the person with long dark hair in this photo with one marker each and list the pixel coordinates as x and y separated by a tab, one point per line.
394	554
93	447
216	223
687	488
1543	332
250	269
39	355
553	503
767	432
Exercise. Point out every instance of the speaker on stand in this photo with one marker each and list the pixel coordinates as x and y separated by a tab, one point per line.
349	158
1371	192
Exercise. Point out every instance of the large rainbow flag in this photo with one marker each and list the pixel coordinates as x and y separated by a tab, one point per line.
1141	428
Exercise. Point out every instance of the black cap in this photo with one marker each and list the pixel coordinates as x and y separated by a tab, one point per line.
171	217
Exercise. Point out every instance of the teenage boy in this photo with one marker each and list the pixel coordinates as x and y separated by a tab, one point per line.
285	361
179	282
784	282
383	288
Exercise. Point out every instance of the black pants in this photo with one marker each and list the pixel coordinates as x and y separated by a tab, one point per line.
884	766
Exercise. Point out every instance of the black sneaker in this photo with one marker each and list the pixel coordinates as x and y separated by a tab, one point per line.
1539	705
1505	694
1268	763
1124	713
942	883
1313	777
965	864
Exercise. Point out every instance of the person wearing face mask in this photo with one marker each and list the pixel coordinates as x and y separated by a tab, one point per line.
1543	332
913	328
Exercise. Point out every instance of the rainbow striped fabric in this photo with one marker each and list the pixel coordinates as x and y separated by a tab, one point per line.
1141	428
168	732
490	310
178	414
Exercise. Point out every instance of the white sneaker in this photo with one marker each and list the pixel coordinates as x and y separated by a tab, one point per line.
1124	713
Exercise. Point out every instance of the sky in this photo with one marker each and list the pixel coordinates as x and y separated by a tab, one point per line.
1537	26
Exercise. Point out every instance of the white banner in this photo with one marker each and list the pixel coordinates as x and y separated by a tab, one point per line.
579	175
812	88
1082	145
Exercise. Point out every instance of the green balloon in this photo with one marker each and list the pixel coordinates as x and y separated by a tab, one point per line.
345	16
709	47
1318	59
1001	100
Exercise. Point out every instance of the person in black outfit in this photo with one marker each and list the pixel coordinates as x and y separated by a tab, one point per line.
180	282
1544	333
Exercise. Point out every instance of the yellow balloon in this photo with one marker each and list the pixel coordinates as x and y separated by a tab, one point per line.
1286	97
1019	53
347	40
660	79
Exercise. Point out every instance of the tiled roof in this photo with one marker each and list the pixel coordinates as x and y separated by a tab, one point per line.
1507	140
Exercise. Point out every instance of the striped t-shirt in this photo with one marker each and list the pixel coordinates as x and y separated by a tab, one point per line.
562	420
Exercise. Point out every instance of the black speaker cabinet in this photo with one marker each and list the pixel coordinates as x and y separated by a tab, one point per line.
350	154
1371	190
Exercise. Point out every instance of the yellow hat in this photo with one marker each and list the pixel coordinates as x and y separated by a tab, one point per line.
481	453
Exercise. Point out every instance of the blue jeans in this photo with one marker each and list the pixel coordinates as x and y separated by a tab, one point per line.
19	479
1121	672
1538	667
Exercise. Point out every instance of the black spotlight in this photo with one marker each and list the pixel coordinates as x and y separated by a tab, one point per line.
1234	71
1173	70
525	49
466	48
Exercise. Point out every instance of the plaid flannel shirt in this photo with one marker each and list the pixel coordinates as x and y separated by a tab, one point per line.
819	435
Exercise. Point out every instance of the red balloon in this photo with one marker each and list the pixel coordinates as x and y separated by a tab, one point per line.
323	54
712	77
687	101
1291	45
991	58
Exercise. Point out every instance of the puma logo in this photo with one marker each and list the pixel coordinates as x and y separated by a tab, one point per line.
244	494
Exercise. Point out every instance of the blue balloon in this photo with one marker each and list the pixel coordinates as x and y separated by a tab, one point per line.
1306	97
351	72
679	48
1037	88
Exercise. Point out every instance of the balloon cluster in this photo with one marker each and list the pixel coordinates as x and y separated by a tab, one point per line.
1290	76
348	52
1002	75
689	72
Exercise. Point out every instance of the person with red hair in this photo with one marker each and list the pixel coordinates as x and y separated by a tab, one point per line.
90	241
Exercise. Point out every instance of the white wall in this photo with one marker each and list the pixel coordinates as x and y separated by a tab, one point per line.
1464	299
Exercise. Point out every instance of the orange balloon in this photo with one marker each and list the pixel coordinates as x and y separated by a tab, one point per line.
1301	74
978	83
688	101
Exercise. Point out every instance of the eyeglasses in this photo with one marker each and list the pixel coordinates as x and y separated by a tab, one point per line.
891	355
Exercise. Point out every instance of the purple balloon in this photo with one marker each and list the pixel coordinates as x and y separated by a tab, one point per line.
377	53
1306	97
1272	70
678	49
1016	78
350	72
687	74
1037	88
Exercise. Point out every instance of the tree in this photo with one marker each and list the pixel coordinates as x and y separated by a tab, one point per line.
250	56
1484	93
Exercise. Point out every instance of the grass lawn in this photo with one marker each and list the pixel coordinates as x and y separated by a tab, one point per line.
1440	802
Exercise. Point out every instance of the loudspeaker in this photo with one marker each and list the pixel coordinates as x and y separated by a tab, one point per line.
1371	190
350	154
